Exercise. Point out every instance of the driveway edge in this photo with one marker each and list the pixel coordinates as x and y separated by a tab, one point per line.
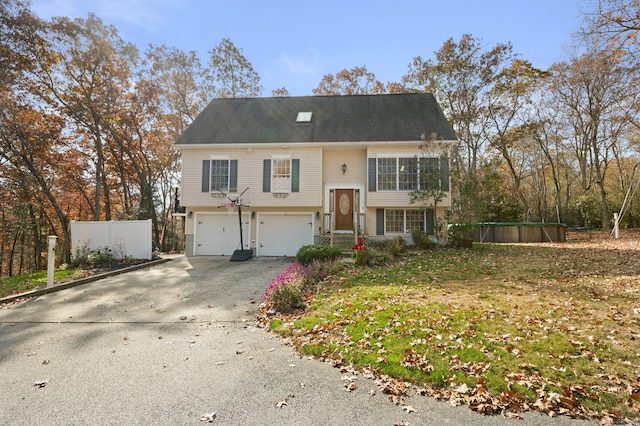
81	281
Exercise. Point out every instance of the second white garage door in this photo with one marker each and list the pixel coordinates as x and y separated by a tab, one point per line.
283	234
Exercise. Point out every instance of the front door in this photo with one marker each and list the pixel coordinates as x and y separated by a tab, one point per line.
344	209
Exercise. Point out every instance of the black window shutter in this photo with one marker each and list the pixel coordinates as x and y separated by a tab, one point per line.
233	176
372	174
430	223
206	169
295	175
444	173
266	176
379	221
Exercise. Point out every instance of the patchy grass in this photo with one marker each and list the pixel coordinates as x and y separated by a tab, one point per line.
502	328
26	282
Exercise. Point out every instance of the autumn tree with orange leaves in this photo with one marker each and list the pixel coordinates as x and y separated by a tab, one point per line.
84	133
615	25
87	124
356	81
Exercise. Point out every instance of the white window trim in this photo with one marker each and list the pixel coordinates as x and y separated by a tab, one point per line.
404	220
384	157
281	157
397	157
219	158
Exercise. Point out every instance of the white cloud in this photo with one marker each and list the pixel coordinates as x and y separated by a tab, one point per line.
300	65
144	14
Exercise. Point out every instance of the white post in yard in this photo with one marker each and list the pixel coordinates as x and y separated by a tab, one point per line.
51	258
615	224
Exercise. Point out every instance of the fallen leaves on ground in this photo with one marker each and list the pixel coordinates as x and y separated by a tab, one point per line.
570	311
210	417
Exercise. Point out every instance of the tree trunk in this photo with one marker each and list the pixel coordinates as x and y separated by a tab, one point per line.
604	206
99	162
37	241
3	228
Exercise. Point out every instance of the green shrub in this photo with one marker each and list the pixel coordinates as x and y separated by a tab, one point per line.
460	234
397	246
286	298
312	252
85	258
422	240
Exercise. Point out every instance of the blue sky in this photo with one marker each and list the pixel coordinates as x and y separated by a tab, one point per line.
294	43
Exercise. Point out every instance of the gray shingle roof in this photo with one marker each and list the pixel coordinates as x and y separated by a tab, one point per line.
362	118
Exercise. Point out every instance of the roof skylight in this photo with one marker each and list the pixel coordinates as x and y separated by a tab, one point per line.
304	117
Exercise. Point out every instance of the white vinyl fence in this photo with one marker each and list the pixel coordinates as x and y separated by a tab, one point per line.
131	238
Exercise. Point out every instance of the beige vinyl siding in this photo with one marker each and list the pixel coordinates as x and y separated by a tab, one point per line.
412	149
398	199
356	161
250	165
370	221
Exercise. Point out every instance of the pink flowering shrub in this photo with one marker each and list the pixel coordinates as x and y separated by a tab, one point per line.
286	291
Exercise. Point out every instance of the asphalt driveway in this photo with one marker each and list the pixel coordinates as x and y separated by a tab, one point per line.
176	342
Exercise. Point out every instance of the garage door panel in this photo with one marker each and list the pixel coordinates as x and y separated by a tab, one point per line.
219	234
283	235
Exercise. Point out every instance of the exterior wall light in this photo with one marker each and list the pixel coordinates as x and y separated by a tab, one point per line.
344	168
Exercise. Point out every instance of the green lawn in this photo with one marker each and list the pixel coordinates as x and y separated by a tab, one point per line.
554	328
26	282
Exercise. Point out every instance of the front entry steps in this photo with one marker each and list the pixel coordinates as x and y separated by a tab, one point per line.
343	241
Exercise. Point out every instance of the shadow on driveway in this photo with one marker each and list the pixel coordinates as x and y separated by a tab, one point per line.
169	344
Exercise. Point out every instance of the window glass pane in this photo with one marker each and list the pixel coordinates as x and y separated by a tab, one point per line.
386	174
219	175
429	173
415	220
281	175
394	221
408	174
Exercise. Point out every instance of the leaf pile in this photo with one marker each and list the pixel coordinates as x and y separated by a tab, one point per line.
500	328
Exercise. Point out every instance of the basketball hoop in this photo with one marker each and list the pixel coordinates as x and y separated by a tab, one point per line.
242	253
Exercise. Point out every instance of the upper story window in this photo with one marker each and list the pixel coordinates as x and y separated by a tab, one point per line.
281	174
430	174
219	175
408	173
387	174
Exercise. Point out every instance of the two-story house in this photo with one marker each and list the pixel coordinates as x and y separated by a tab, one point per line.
309	168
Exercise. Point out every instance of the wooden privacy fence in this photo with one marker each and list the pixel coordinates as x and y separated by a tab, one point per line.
520	232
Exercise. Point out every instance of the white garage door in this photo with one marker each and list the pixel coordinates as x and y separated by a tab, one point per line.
283	234
219	234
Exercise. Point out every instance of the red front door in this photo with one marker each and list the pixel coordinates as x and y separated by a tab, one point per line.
344	209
